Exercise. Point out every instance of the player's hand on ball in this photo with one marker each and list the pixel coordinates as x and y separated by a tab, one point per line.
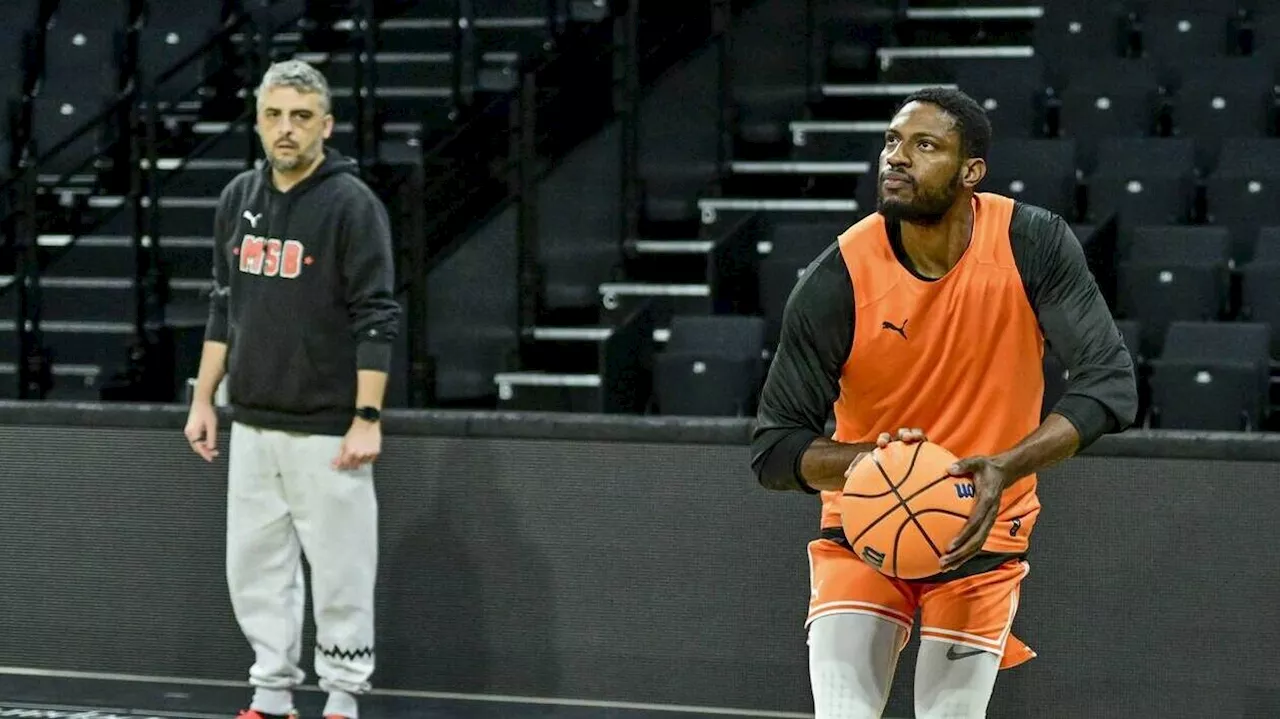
909	436
989	481
202	430
362	444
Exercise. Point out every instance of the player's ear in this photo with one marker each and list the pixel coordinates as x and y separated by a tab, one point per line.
974	170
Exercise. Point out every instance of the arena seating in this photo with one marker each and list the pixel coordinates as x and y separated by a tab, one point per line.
1160	118
68	60
1114	113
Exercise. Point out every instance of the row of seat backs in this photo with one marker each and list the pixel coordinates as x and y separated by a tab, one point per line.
1212	375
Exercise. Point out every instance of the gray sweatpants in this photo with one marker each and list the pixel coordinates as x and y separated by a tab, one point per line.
283	501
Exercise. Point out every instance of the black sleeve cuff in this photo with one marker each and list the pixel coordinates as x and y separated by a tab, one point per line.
375	356
215	330
780	469
795	467
1090	418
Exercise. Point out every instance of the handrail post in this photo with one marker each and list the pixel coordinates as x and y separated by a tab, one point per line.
259	57
422	382
553	25
529	276
155	277
464	63
34	370
366	84
721	28
629	120
813	54
455	82
358	86
373	122
139	166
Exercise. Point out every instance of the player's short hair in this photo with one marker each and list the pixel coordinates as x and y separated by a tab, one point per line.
298	75
971	119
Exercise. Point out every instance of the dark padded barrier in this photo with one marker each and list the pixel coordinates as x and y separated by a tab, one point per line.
635	559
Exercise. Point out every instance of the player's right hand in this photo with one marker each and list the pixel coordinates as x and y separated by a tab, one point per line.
908	436
202	430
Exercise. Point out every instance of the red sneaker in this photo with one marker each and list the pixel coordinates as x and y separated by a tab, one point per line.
255	714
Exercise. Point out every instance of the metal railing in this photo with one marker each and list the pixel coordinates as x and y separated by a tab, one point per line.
506	145
501	147
133	161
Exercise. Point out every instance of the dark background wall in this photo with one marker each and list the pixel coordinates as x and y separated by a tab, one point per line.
641	569
579	223
472	313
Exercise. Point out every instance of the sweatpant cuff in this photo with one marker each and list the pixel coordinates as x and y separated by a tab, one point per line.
273	701
341	704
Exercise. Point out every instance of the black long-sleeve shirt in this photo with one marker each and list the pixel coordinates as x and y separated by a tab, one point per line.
818	329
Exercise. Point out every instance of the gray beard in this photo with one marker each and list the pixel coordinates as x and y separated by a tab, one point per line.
280	165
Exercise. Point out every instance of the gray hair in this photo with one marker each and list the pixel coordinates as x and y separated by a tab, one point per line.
298	75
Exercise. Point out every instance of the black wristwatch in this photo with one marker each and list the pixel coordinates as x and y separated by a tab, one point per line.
369	414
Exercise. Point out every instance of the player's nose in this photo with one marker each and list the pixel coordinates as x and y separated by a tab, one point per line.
897	157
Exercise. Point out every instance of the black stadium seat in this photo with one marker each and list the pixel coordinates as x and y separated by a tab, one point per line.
1181	274
1260	285
1011	91
1180	36
1241	192
1039	172
1212	376
712	365
1206	109
1108	98
81	75
174	29
1148	180
1075	30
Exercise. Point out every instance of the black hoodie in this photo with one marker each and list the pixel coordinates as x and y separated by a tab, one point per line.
302	295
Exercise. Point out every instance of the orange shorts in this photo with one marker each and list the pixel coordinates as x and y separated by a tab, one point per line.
975	611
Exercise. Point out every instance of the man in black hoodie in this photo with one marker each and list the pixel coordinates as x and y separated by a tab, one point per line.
301	320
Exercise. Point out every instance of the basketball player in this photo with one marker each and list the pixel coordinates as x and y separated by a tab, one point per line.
302	316
929	317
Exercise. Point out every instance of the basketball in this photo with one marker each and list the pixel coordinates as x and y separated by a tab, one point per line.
900	508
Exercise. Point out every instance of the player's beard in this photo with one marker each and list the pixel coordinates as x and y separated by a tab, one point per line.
927	207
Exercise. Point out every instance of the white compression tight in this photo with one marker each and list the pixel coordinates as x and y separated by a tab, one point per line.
853	657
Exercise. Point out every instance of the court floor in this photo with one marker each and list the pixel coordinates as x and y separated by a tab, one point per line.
26	694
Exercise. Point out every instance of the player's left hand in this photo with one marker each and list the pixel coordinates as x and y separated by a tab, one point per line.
362	444
989	481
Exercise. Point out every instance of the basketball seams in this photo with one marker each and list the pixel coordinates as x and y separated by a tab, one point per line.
914	456
902	502
897	537
929	486
872	525
893	489
856	495
947	512
876	461
914	517
925	534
